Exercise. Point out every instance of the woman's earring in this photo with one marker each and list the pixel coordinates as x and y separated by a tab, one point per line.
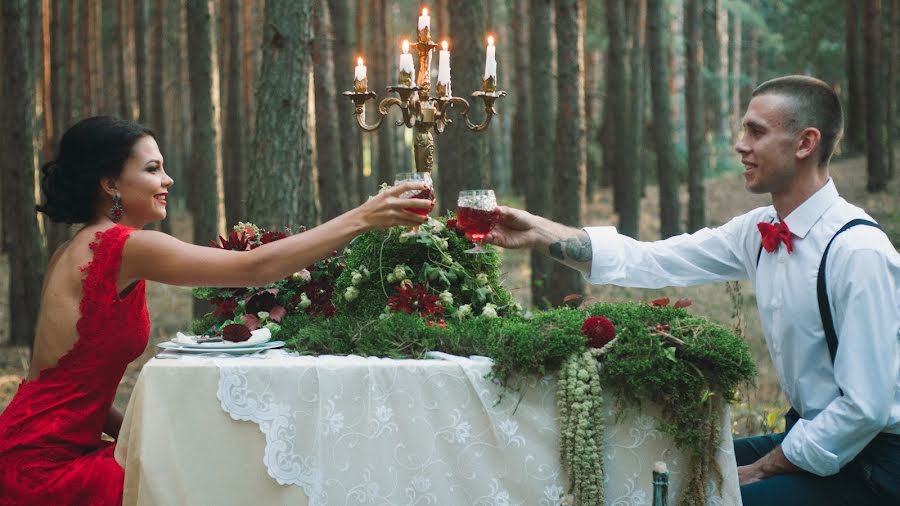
116	211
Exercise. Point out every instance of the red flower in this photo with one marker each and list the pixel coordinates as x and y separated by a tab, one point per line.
225	308
415	299
680	303
267	236
262	301
235	242
660	302
235	333
598	330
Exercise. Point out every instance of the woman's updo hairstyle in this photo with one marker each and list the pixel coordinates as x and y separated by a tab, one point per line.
92	149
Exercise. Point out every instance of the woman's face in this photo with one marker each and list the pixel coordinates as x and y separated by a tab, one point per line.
143	184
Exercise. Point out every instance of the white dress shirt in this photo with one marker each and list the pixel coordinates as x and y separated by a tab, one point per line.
863	276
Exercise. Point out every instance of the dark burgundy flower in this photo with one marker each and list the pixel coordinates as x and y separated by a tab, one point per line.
415	299
235	333
225	308
598	330
251	321
277	313
268	236
262	301
235	242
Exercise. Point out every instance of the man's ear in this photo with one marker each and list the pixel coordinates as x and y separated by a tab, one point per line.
808	142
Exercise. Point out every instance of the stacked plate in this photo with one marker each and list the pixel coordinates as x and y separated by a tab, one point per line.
259	340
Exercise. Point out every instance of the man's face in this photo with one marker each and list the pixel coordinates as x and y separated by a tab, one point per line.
767	147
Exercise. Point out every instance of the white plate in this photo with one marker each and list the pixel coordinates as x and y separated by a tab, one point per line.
168	345
257	337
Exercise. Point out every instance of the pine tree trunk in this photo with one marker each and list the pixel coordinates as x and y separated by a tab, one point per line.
540	189
520	90
667	177
345	37
57	233
234	159
463	154
735	78
281	186
856	99
571	146
714	85
124	38
331	179
693	90
21	235
627	176
893	54
636	93
140	59
594	100
204	110
875	151
384	73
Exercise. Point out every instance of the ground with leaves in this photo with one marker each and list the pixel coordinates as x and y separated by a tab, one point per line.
725	197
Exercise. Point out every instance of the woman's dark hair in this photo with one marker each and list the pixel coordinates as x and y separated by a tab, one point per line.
92	149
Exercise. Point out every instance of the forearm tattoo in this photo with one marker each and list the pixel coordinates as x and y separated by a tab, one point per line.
577	249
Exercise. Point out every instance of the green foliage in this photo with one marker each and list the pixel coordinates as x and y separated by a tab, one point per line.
434	256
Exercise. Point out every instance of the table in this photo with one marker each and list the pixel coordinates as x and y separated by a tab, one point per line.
288	429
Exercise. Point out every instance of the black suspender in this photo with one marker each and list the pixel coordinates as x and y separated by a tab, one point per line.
821	290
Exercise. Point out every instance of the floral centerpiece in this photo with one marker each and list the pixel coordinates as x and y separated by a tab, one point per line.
398	293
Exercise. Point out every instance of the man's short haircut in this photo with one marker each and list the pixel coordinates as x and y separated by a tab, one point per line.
812	104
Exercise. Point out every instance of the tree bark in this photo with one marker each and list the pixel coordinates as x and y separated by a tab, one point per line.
281	182
666	175
464	162
522	122
693	90
540	80
734	121
234	159
384	52
627	176
875	151
140	59
856	98
22	237
893	54
345	36
571	156
332	181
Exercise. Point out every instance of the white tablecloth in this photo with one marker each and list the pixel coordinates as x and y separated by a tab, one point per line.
350	430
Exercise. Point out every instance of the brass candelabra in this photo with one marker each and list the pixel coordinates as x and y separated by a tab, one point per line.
421	111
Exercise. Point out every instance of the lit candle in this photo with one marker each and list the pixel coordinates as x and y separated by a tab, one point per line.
490	61
407	70
360	82
424	32
443	79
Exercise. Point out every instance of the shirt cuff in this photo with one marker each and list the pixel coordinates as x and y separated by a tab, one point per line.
608	259
806	454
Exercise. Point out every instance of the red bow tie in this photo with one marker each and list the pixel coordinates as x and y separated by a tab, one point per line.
774	234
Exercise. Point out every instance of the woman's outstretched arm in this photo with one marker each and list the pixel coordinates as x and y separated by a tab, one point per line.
160	257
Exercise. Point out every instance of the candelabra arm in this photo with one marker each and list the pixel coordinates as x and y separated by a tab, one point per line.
489	111
360	99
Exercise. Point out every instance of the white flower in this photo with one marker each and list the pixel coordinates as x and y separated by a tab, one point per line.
406	236
436	226
263	315
481	279
304	301
356	278
446	297
444	244
365	271
350	293
301	275
517	307
391	278
406	283
489	311
463	311
400	271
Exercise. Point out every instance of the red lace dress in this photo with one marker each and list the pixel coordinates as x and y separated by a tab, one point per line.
50	447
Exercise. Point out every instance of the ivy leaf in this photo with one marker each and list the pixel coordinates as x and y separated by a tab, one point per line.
707	393
669	352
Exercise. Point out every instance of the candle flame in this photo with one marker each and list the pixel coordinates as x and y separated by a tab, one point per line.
444	45
425	11
359	61
405	46
490	40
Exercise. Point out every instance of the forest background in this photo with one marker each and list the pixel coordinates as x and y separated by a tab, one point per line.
620	112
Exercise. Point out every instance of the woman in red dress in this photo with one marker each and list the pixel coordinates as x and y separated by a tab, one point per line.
93	318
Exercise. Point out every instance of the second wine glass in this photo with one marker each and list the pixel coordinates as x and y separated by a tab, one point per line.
426	193
476	215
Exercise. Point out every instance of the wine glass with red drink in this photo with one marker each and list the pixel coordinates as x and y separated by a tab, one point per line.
426	193
476	215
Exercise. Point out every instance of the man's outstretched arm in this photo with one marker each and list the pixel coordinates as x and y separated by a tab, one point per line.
521	229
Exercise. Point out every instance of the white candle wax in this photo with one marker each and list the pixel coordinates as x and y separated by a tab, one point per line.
424	20
490	60
406	63
444	65
360	71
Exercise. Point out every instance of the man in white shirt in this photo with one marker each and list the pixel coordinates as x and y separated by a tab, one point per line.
842	445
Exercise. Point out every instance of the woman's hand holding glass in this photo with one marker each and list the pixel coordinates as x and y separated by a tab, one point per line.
389	208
